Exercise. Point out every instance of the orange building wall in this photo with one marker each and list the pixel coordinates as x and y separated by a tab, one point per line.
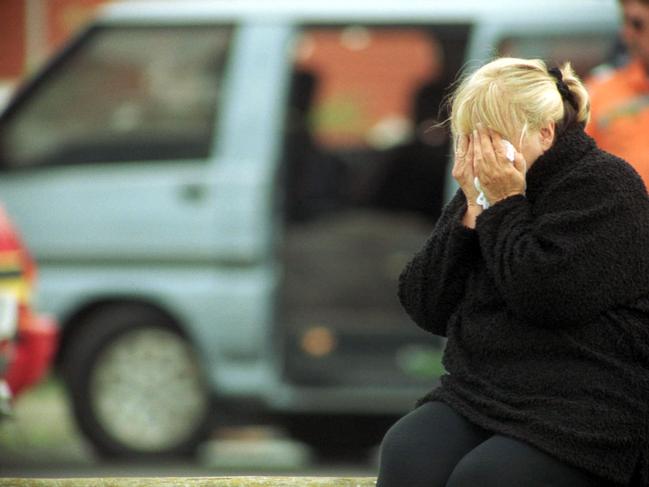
66	17
60	19
13	41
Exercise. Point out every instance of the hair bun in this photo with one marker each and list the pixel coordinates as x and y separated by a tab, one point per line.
563	88
574	92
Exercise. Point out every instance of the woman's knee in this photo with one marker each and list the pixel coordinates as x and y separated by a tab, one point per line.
405	454
472	471
410	435
396	446
506	461
423	447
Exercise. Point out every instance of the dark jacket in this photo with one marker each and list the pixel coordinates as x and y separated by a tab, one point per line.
546	309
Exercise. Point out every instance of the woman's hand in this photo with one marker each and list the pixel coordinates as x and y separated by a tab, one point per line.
463	167
463	173
499	178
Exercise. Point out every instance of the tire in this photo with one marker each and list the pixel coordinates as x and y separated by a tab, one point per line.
137	389
339	437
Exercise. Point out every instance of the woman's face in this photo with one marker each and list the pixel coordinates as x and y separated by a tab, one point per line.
535	143
531	147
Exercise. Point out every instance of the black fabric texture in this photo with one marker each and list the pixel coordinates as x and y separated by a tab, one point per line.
546	309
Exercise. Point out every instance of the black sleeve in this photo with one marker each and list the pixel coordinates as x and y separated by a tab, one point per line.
432	283
584	254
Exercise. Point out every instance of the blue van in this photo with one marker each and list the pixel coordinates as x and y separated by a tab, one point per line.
221	195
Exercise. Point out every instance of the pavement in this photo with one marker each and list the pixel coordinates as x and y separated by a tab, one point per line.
42	441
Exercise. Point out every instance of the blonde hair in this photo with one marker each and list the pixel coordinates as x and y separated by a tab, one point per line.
516	96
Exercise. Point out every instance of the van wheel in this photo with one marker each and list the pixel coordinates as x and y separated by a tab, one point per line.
339	437
136	387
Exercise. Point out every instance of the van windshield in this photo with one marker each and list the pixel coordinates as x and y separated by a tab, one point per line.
122	94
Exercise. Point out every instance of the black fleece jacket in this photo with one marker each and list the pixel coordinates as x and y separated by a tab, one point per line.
546	309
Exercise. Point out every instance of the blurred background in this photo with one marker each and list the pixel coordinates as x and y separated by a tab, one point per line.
208	206
32	31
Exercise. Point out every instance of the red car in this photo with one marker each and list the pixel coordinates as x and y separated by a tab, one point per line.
27	340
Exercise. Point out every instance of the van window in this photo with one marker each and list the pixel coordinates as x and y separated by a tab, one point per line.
584	51
122	94
366	103
365	165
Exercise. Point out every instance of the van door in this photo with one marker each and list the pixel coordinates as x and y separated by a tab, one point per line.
365	163
110	155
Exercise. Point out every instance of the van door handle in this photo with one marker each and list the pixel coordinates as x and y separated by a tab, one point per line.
193	192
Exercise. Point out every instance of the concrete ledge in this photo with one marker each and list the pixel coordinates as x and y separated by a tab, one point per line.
195	482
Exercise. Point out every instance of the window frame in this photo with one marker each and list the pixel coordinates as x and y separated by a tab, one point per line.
51	68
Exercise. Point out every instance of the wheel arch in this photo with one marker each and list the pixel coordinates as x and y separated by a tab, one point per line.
72	324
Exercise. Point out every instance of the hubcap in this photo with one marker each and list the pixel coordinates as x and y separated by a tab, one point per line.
147	390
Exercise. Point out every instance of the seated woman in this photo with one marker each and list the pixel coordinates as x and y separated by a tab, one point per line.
543	296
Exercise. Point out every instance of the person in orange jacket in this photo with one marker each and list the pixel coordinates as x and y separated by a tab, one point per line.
620	98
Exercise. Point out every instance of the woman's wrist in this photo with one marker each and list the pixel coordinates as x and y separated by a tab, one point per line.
504	196
471	214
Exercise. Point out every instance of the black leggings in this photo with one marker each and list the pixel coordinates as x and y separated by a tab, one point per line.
433	446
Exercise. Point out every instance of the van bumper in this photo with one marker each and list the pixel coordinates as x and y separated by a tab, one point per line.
344	400
262	389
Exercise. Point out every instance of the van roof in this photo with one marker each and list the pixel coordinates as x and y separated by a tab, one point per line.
330	11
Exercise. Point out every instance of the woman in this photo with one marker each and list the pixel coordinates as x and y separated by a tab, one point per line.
544	299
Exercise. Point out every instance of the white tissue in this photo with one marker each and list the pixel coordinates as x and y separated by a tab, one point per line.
510	153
